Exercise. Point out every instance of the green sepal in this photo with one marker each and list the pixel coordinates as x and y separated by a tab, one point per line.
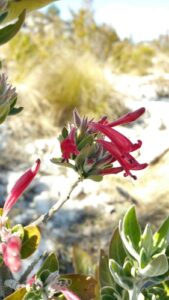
64	133
8	32
87	140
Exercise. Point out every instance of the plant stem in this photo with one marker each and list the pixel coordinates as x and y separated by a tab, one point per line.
133	294
43	218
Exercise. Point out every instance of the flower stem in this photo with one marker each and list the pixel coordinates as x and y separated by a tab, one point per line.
44	218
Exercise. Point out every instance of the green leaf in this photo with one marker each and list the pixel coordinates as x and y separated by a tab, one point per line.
50	265
119	275
161	237
130	233
30	241
83	286
157	267
147	240
82	261
105	276
131	227
116	249
8	32
17	295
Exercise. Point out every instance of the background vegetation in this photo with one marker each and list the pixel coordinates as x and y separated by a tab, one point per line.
63	64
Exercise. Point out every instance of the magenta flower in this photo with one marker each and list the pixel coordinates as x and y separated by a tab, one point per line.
119	146
11	253
68	145
19	187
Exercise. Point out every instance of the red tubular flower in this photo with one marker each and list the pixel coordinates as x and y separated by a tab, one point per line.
19	187
68	145
127	161
123	143
119	145
128	118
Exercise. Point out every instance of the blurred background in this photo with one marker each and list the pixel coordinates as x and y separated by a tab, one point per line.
104	58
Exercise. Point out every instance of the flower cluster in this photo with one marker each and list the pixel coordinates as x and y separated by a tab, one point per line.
92	148
10	241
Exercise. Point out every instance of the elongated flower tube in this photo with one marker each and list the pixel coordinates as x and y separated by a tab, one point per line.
19	187
126	161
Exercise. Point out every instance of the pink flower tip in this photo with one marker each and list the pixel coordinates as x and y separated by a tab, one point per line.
11	253
20	186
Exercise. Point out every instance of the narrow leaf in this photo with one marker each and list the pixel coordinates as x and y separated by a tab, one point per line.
8	32
116	249
161	237
105	276
131	227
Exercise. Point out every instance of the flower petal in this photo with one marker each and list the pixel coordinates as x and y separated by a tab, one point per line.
123	143
128	118
126	161
108	171
20	186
